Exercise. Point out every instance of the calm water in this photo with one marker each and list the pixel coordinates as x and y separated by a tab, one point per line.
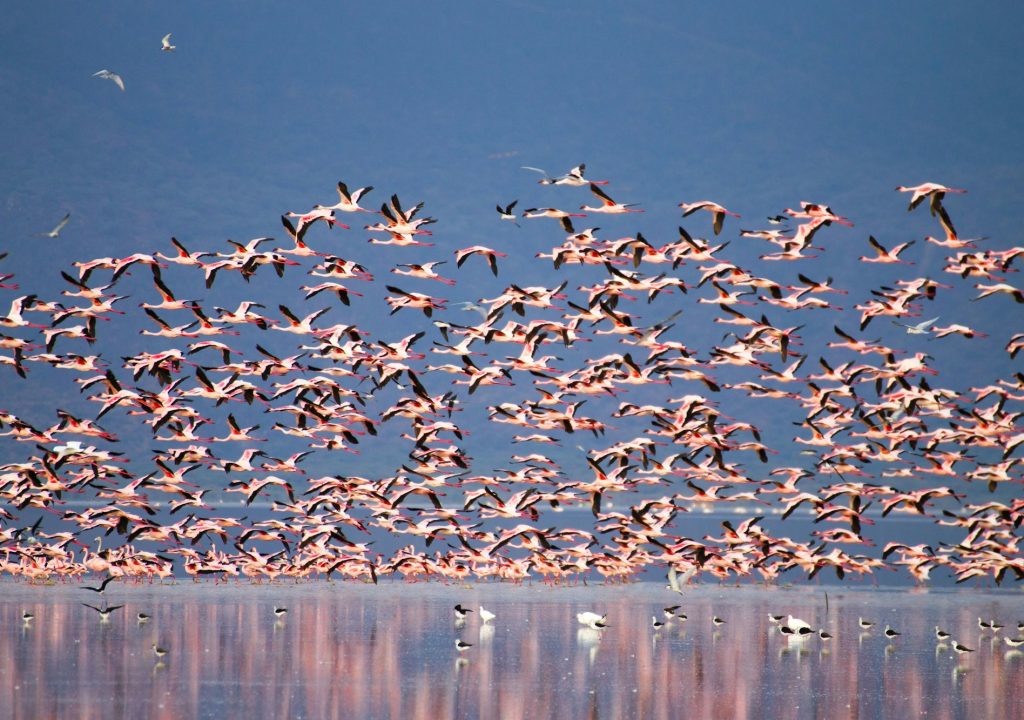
346	650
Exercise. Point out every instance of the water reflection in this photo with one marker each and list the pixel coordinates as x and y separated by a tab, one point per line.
390	652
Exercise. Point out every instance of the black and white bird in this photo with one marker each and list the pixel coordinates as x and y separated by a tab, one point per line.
102	586
280	612
1013	642
989	626
670	612
890	633
961	649
941	635
656	623
573	178
160	652
865	624
506	212
461	612
462	646
824	635
717	621
104	611
143	618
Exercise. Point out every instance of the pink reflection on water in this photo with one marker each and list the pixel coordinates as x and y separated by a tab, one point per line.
389	652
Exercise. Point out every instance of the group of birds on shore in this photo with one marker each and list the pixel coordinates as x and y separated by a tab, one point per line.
633	386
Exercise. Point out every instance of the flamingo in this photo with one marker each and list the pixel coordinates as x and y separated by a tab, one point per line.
718	212
607	204
884	255
491	255
933	191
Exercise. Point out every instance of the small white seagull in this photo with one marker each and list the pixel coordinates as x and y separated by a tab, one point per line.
112	76
165	43
676	580
486	615
57	228
920	329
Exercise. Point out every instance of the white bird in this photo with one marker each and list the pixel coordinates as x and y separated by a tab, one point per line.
676	581
572	178
57	228
165	43
589	618
112	76
486	615
920	329
797	625
73	447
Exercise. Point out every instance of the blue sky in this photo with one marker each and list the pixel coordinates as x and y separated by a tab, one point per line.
264	107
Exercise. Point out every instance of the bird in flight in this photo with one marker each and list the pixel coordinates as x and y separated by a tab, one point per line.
921	328
57	228
104	611
112	76
506	212
102	586
677	581
573	178
165	44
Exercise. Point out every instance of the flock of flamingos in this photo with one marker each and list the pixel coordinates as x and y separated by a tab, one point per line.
343	366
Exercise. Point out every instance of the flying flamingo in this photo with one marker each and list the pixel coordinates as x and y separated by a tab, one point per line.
491	255
717	211
607	204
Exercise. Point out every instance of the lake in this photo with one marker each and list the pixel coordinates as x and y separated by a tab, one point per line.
388	651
